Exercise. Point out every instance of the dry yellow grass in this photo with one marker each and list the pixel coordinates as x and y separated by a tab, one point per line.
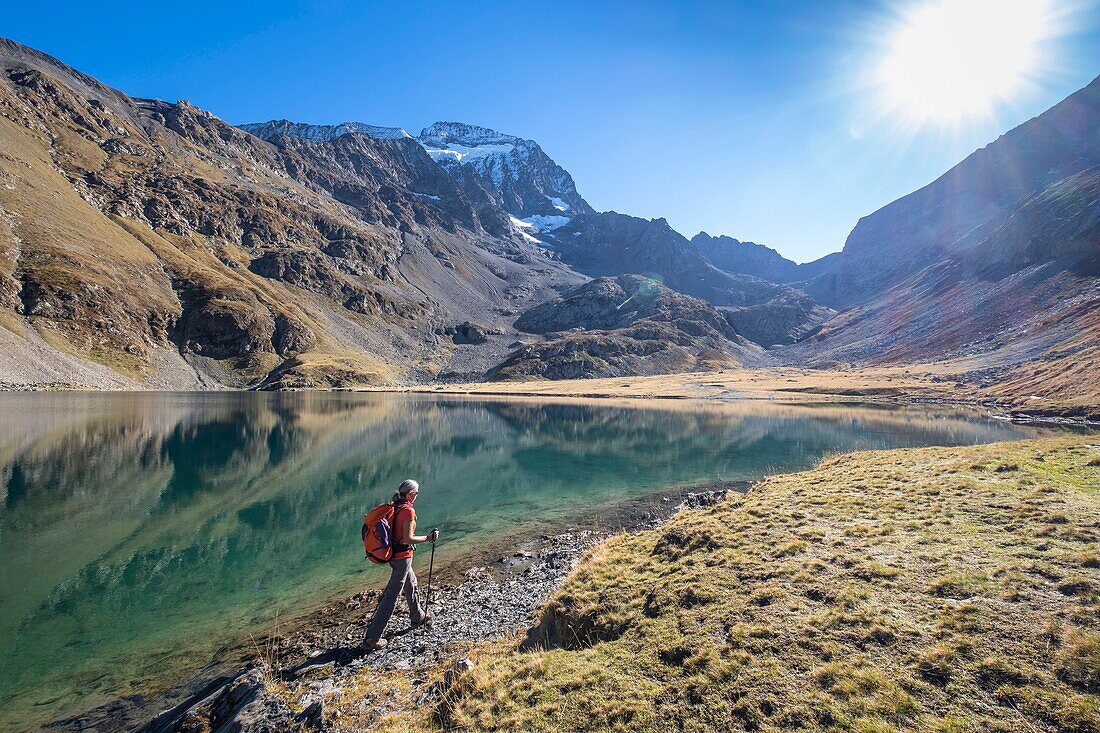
1051	389
928	381
937	589
345	369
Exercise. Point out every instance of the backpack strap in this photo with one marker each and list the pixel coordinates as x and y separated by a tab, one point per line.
397	545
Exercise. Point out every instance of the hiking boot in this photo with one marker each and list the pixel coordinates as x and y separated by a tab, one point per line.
424	621
373	645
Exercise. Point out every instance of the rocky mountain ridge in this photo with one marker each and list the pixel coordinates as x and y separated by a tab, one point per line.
270	129
750	258
278	254
609	243
151	244
146	242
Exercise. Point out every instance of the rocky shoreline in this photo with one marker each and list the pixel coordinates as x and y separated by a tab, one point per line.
285	679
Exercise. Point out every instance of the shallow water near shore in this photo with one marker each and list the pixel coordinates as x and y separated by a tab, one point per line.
140	533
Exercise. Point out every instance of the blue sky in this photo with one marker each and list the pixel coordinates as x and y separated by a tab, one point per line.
739	118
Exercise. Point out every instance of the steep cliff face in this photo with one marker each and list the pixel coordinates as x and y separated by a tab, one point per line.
149	241
1049	162
383	172
746	258
1059	223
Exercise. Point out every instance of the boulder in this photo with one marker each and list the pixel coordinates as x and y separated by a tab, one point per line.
469	333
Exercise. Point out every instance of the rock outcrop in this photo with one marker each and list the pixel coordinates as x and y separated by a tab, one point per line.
611	303
469	333
610	243
787	318
246	705
625	325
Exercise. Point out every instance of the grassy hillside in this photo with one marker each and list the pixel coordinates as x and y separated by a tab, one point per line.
939	589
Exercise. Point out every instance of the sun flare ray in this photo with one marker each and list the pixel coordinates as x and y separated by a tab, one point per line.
951	60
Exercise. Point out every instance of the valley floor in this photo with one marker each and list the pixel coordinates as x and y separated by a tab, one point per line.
938	589
957	382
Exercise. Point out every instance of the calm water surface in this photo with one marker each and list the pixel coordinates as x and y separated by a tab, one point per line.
141	532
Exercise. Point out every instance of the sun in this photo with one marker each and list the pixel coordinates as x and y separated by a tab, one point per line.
948	60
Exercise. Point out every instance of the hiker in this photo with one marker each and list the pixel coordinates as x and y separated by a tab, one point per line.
402	576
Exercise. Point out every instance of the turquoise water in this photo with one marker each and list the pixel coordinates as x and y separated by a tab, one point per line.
141	532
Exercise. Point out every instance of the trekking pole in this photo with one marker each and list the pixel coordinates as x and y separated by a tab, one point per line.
431	564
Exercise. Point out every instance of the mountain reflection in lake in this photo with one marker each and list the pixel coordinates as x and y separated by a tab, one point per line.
141	532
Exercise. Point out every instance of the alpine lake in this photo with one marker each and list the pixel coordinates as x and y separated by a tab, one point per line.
142	534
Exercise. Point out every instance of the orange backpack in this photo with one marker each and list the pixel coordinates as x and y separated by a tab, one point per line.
377	533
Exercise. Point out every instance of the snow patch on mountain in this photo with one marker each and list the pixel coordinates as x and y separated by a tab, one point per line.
547	223
468	154
491	154
558	203
525	229
540	223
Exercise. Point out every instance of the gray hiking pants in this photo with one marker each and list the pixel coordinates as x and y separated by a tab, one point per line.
402	578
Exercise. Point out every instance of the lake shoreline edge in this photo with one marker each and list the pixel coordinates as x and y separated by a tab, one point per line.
949	385
540	564
934	588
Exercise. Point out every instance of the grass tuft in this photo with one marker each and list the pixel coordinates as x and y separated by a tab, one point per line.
1079	662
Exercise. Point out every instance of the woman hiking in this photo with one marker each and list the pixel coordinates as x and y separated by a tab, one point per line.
402	576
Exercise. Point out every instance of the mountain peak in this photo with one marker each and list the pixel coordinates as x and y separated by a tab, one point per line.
444	133
306	131
515	172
